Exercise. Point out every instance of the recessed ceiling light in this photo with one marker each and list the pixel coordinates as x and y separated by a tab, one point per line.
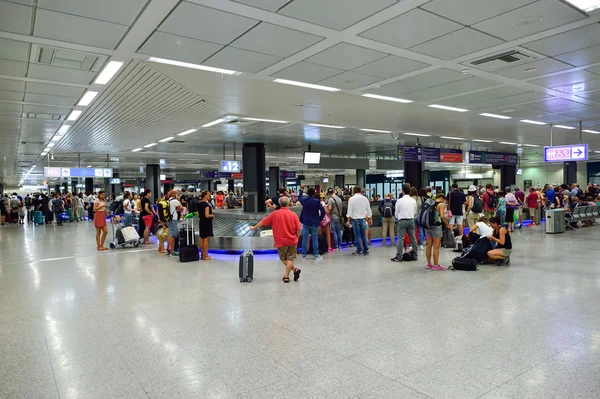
417	134
166	139
375	130
55	138
87	98
215	122
308	85
74	115
264	120
452	138
531	145
507	143
187	132
530	70
134	150
320	125
44	153
63	129
149	145
50	145
482	141
564	127
532	122
386	98
108	72
193	66
496	116
591	131
585	5
448	108
48	149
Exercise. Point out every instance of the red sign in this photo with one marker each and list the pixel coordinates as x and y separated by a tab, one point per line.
446	157
166	182
237	175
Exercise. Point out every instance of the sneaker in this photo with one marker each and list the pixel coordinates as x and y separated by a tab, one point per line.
339	249
357	253
331	250
421	247
438	267
351	245
365	253
303	257
533	224
174	254
396	259
429	266
318	257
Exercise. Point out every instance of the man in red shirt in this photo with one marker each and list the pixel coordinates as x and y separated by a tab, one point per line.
286	230
490	201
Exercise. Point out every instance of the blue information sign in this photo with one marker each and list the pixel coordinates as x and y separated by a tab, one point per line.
496	158
230	166
78	172
566	153
427	154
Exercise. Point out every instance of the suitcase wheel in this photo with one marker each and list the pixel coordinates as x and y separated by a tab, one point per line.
112	245
136	244
241	280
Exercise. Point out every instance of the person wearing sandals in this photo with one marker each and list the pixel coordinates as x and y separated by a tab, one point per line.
100	207
434	234
286	230
206	223
501	237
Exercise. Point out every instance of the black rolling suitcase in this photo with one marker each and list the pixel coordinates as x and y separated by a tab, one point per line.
188	250
246	267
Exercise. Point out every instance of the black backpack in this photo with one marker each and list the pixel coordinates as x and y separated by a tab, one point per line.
388	208
492	201
117	207
477	205
408	257
194	204
427	214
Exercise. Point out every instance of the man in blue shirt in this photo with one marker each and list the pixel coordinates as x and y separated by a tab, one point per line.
311	216
550	196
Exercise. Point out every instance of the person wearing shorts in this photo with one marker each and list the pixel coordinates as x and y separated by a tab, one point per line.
434	234
456	199
286	230
147	215
501	237
175	208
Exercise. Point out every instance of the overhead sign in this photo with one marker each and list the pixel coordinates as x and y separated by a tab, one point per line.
286	174
230	166
78	172
209	174
496	158
115	181
566	153
427	154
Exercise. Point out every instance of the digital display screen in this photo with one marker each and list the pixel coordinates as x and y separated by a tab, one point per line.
519	171
312	158
325	180
230	166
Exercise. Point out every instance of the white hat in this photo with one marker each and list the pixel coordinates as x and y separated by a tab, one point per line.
472	188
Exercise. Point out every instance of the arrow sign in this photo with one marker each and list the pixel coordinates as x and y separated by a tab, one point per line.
578	152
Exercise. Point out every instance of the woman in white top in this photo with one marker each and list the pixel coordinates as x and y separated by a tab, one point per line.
128	207
483	228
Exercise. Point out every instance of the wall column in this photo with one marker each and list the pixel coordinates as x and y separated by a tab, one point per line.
254	177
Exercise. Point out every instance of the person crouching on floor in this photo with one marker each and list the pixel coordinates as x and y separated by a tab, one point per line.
501	237
286	230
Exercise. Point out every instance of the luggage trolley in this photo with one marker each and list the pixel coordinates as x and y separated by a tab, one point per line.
121	239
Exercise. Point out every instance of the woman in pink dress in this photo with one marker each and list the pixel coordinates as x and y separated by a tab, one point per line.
100	220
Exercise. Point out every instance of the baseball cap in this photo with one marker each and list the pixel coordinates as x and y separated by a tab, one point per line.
472	188
330	191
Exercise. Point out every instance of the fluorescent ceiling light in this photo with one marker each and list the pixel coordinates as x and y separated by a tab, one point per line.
452	138
50	145
166	139
134	150
63	129
74	115
193	66
302	84
331	126
375	130
417	134
386	98
44	153
47	149
55	138
532	122
507	143
448	108
149	145
87	98
187	132
591	131
585	5
482	141
209	124
108	72
564	127
264	120
531	145
495	116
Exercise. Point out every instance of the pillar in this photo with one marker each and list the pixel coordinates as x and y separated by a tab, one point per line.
425	178
361	178
274	183
204	185
570	172
57	188
231	185
89	184
508	176
115	188
413	172
254	177
340	181
153	181
74	186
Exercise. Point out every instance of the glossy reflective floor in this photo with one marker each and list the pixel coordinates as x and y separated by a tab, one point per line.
130	323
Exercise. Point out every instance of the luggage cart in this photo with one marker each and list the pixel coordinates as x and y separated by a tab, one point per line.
117	223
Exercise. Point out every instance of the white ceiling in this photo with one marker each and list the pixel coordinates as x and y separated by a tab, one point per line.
413	49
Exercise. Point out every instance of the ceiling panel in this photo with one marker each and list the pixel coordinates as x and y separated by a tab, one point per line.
12	68
470	102
241	60
60	74
12	85
15	18
437	77
335	14
541	67
581	57
515	111
41	109
478	10
10	107
11	96
390	66
457	44
565	80
592	95
557	105
270	5
554	118
429	94
500	92
54	90
533	18
572	40
525	97
179	48
72	29
409	29
595	70
584	113
307	72
469	84
345	56
13	50
275	40
349	80
398	89
50	99
206	24
116	11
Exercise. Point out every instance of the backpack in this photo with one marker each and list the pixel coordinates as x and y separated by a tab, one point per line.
427	214
408	257
28	201
477	205
193	205
164	211
117	207
14	203
388	209
492	201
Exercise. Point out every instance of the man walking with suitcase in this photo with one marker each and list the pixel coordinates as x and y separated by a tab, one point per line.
286	230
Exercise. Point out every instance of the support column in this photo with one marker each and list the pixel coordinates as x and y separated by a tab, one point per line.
413	173
425	178
89	184
340	181
283	182
570	172
361	178
231	185
508	176
57	189
74	187
254	177
153	181
115	188
274	182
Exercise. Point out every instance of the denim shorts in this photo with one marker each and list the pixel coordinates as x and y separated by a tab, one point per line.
434	231
455	220
173	228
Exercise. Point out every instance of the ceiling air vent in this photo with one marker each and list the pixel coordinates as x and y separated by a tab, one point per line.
504	60
67	58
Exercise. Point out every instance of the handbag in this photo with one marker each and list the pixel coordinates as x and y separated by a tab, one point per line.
326	220
449	212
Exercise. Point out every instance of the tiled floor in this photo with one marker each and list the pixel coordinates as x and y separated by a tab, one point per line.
130	323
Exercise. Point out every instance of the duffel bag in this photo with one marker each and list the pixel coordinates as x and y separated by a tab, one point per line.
465	264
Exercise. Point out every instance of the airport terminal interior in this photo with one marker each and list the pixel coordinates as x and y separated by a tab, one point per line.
232	109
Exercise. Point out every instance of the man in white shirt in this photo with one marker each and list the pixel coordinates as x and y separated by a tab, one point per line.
405	213
175	208
359	214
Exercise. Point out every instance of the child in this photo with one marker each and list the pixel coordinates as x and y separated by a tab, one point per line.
501	211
